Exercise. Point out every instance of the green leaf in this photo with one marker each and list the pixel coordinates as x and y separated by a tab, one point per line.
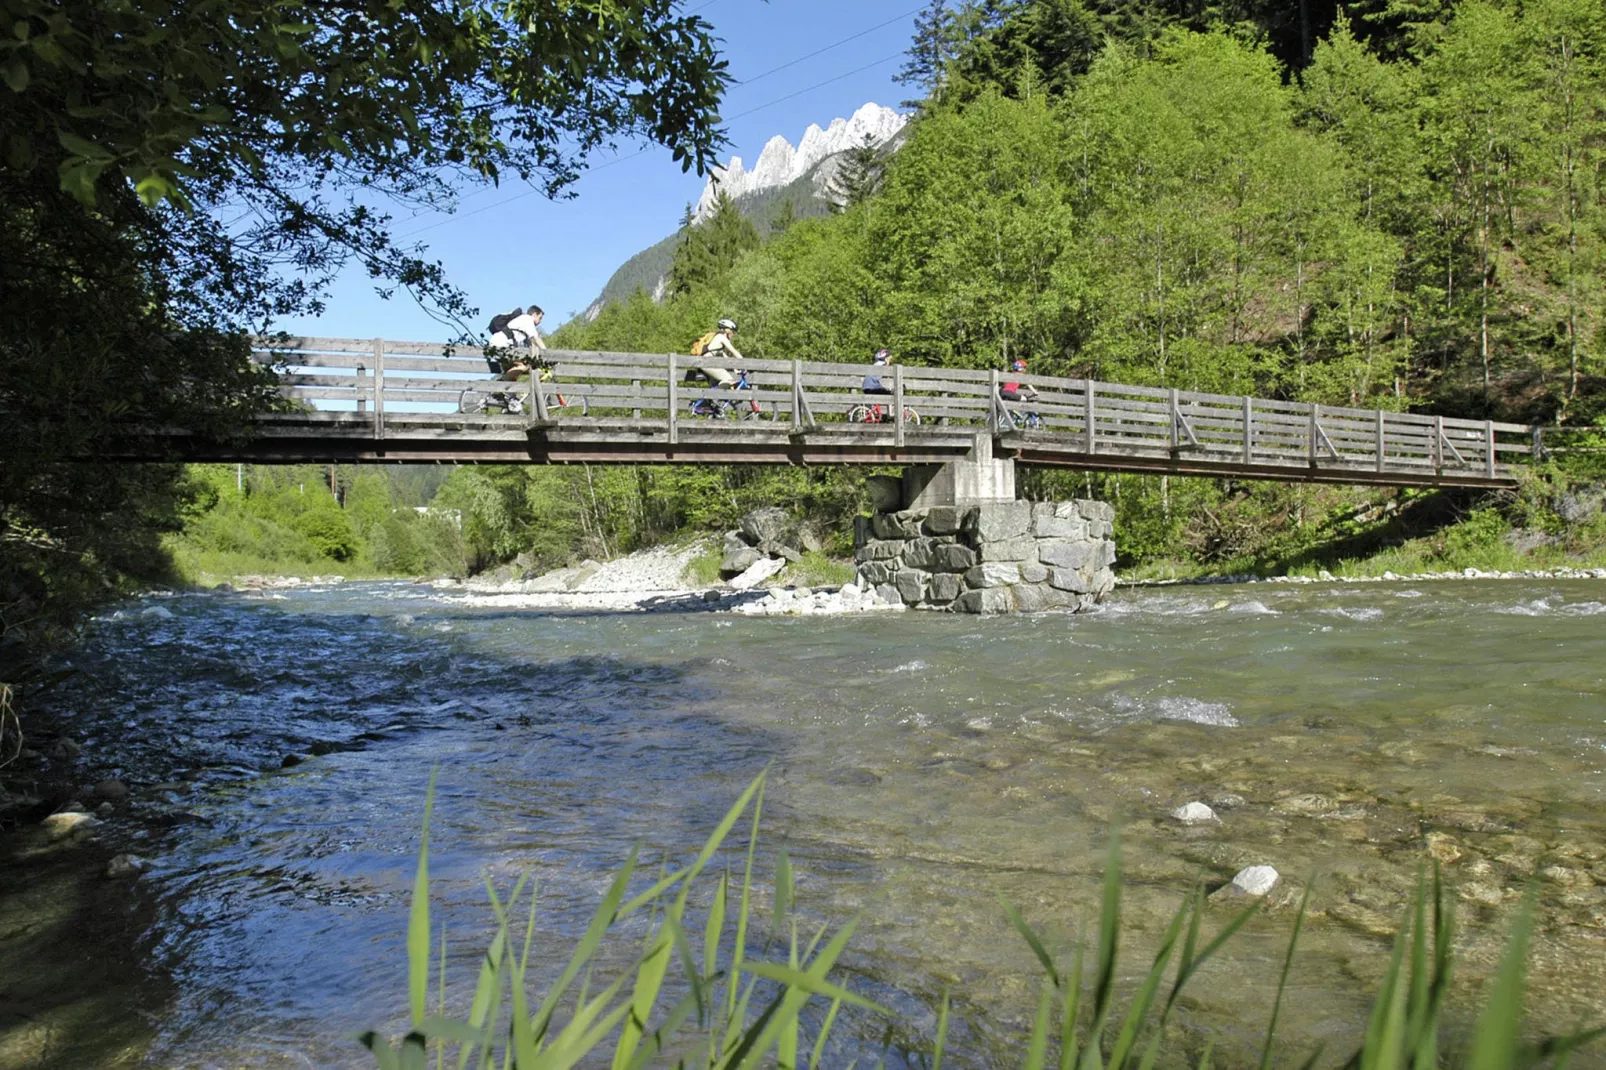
16	74
79	146
1031	939
418	917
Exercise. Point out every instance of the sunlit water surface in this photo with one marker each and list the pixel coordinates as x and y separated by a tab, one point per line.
922	766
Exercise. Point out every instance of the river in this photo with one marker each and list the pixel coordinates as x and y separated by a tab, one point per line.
922	765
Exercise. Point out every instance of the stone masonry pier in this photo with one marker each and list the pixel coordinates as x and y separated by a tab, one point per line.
989	557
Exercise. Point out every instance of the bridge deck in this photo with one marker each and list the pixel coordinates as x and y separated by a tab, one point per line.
636	408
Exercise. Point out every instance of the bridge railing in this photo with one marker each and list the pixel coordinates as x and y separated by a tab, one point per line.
386	388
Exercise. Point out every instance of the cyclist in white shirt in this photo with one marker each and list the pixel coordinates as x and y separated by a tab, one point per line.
720	344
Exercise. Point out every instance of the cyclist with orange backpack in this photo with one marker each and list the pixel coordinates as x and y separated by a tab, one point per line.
715	343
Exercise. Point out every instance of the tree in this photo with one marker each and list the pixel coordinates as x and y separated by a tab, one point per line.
708	250
929	52
857	177
175	173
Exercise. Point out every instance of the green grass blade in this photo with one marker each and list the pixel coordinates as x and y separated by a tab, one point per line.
1185	974
942	1033
440	1000
744	910
490	975
649	979
783	890
1495	1040
658	1038
688	964
812	983
1380	1049
1558	1048
1031	939
383	1053
600	922
798	992
786	1046
418	917
715	927
1282	981
1109	947
1416	1003
753	794
1127	1038
1069	1049
1204	1056
1037	1047
830	1020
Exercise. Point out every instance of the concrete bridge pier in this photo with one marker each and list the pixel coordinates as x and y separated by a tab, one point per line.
954	537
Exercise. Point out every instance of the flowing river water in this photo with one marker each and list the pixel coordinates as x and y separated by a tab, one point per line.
923	765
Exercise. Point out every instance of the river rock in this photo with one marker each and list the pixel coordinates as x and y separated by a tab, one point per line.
66	747
1229	801
770	524
124	866
739	561
105	809
1307	805
157	613
111	790
1194	813
712	595
757	573
59	826
945	587
1443	849
1254	880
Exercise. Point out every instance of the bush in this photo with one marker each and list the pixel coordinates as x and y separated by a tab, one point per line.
329	531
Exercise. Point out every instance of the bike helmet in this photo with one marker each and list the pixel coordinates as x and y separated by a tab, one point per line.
727	325
1019	366
883	356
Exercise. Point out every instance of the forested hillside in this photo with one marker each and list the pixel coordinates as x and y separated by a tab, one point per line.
1414	219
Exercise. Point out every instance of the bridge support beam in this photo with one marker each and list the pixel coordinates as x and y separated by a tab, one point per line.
975	478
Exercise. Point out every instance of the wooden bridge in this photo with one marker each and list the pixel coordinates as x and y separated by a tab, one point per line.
374	401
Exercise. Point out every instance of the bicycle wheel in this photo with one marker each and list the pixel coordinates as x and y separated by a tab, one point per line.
911	417
472	402
861	414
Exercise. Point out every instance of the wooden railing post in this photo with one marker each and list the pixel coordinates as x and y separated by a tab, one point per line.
538	410
1488	431
1249	423
993	402
897	404
362	387
1438	445
1089	419
635	386
1377	439
379	388
1313	418
674	401
1176	420
797	394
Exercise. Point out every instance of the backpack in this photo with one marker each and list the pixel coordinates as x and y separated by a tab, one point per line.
699	347
499	322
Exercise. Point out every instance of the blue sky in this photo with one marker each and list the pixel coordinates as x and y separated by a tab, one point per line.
511	246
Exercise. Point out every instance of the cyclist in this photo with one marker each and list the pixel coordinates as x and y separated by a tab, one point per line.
1015	391
715	342
873	383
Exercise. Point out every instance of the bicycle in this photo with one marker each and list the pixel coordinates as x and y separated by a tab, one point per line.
877	414
1025	421
490	399
724	408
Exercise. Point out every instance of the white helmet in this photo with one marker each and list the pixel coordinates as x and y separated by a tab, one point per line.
727	325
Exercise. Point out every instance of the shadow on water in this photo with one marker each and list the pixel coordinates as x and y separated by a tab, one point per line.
277	872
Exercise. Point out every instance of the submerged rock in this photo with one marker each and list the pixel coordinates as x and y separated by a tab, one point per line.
68	823
1194	813
1254	881
111	790
125	866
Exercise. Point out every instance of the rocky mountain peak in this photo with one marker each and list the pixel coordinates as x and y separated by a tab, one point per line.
779	164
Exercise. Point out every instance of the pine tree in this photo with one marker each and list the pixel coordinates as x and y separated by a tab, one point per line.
784	218
857	177
929	52
708	250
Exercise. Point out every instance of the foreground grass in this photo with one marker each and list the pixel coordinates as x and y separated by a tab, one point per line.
733	1008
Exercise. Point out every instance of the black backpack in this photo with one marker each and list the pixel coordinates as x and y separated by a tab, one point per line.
500	322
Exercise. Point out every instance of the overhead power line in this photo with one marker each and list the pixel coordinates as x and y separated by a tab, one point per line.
739	115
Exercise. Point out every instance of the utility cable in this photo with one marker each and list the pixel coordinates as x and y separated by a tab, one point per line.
649	148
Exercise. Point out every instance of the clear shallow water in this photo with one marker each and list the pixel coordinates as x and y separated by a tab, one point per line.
923	764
